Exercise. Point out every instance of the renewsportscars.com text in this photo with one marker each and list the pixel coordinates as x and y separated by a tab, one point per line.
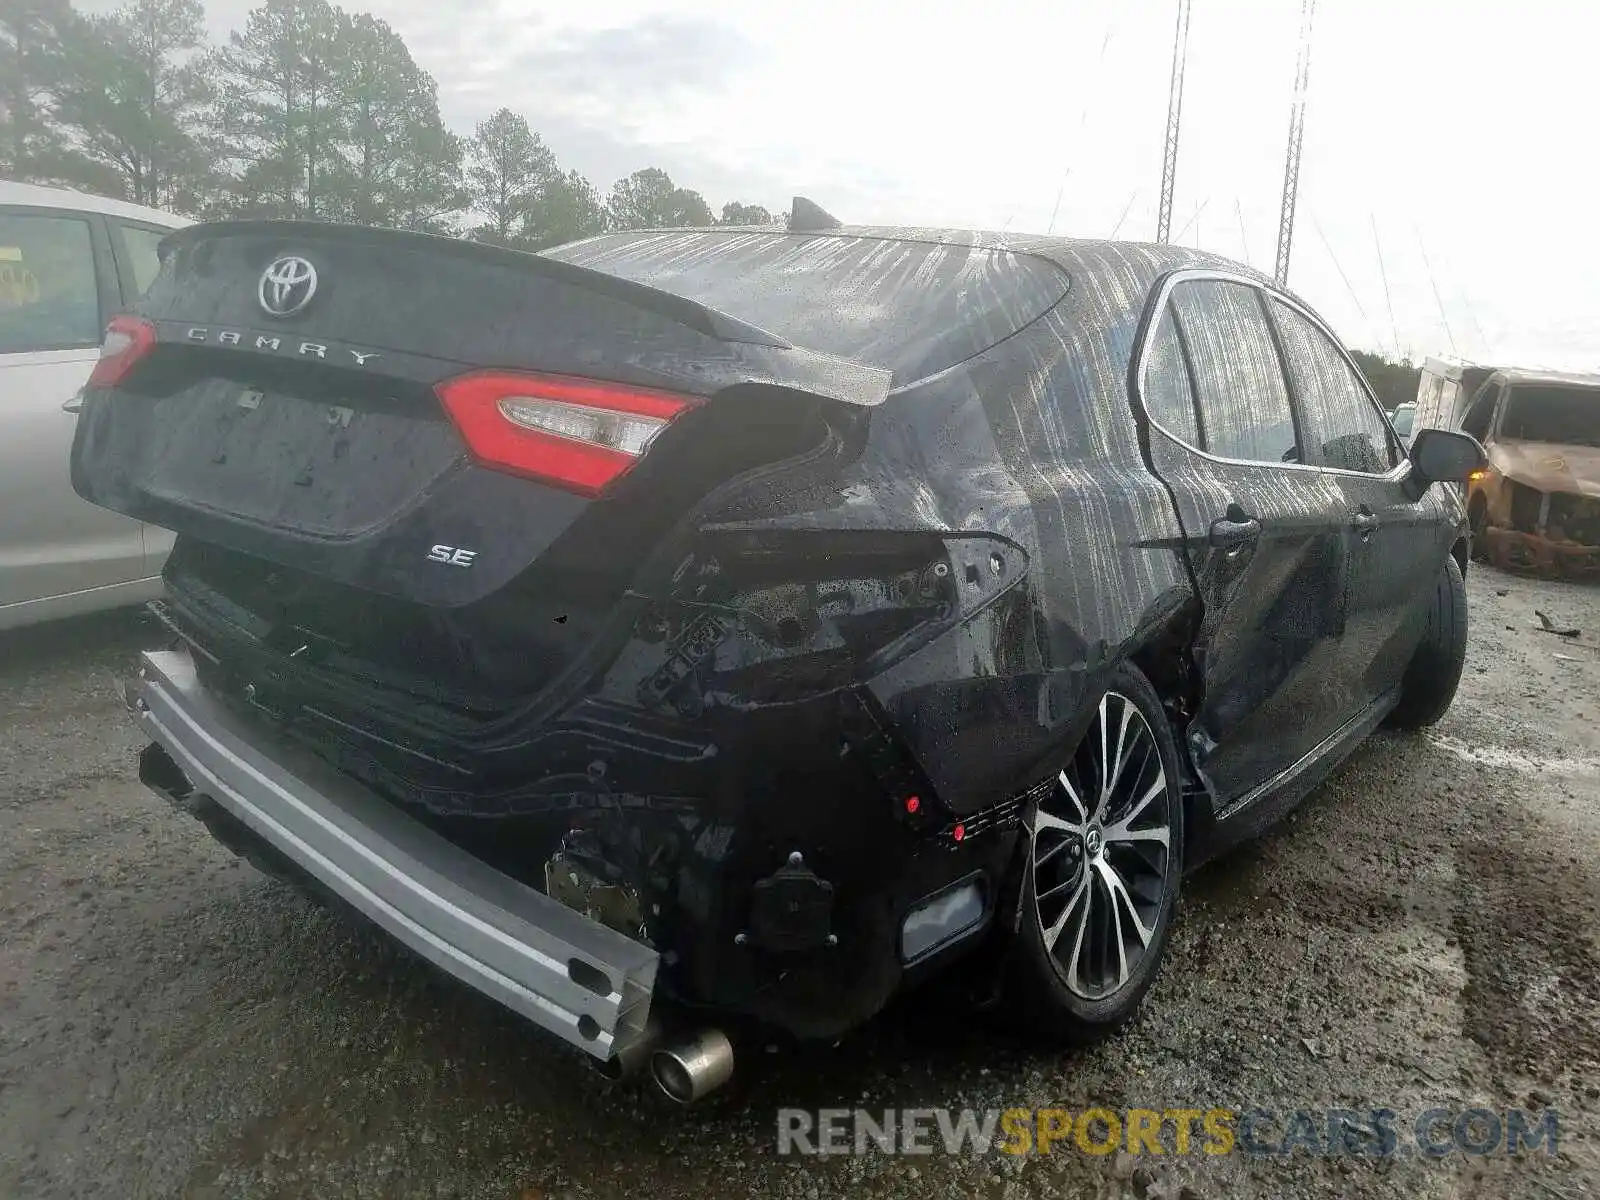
1378	1132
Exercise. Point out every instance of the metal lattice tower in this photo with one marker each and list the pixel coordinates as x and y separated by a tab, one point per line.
1169	161
1297	128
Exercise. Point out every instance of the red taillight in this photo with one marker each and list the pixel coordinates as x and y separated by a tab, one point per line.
127	340
578	434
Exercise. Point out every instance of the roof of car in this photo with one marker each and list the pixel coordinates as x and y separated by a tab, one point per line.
1515	376
1026	243
34	196
1063	251
912	300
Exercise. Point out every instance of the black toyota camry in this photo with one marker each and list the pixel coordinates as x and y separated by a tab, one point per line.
678	631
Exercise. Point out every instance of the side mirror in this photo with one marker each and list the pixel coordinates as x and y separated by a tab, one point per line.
1445	456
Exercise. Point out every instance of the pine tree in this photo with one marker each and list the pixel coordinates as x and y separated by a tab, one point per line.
567	209
133	94
510	168
280	108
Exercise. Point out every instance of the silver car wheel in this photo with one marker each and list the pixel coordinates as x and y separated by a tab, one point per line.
1101	844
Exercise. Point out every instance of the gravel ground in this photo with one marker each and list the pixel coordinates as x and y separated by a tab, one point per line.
1421	934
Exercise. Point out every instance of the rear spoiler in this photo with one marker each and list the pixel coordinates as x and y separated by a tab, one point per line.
825	375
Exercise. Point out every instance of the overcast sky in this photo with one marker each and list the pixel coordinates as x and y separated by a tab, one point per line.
1462	132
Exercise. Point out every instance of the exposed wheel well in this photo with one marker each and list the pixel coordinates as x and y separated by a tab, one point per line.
1164	659
1461	552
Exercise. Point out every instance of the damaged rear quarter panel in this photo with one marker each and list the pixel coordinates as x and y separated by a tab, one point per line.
1026	460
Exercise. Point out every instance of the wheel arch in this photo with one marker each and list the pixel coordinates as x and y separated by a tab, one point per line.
1164	654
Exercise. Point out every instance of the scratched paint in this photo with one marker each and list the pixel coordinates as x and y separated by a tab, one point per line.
915	527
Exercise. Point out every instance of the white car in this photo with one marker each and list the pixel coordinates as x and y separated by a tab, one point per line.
1403	417
67	262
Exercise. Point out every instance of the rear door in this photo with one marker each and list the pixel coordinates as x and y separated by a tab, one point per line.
1264	532
57	287
1395	541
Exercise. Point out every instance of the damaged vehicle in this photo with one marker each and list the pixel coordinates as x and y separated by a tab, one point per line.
684	631
1537	501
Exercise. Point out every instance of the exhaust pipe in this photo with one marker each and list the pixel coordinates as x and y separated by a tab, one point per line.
626	1063
692	1068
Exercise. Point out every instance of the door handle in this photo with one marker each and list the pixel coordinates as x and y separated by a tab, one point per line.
75	405
1232	534
1364	522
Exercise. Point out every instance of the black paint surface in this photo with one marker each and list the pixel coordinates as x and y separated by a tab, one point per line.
919	520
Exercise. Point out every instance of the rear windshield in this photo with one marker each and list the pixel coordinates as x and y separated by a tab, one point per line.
913	307
1569	415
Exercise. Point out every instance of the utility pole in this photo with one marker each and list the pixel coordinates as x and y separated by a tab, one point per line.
1297	128
1169	161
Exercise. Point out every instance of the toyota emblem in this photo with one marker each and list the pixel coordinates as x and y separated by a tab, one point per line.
286	286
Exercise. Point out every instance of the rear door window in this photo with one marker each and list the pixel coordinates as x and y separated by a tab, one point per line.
139	244
1343	427
1167	391
1238	379
48	295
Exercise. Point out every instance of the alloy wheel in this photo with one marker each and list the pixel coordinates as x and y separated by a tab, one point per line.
1101	843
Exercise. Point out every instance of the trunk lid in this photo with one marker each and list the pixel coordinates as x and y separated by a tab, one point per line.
338	539
314	439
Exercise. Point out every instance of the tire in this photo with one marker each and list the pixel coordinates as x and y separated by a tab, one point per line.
1434	673
1063	980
